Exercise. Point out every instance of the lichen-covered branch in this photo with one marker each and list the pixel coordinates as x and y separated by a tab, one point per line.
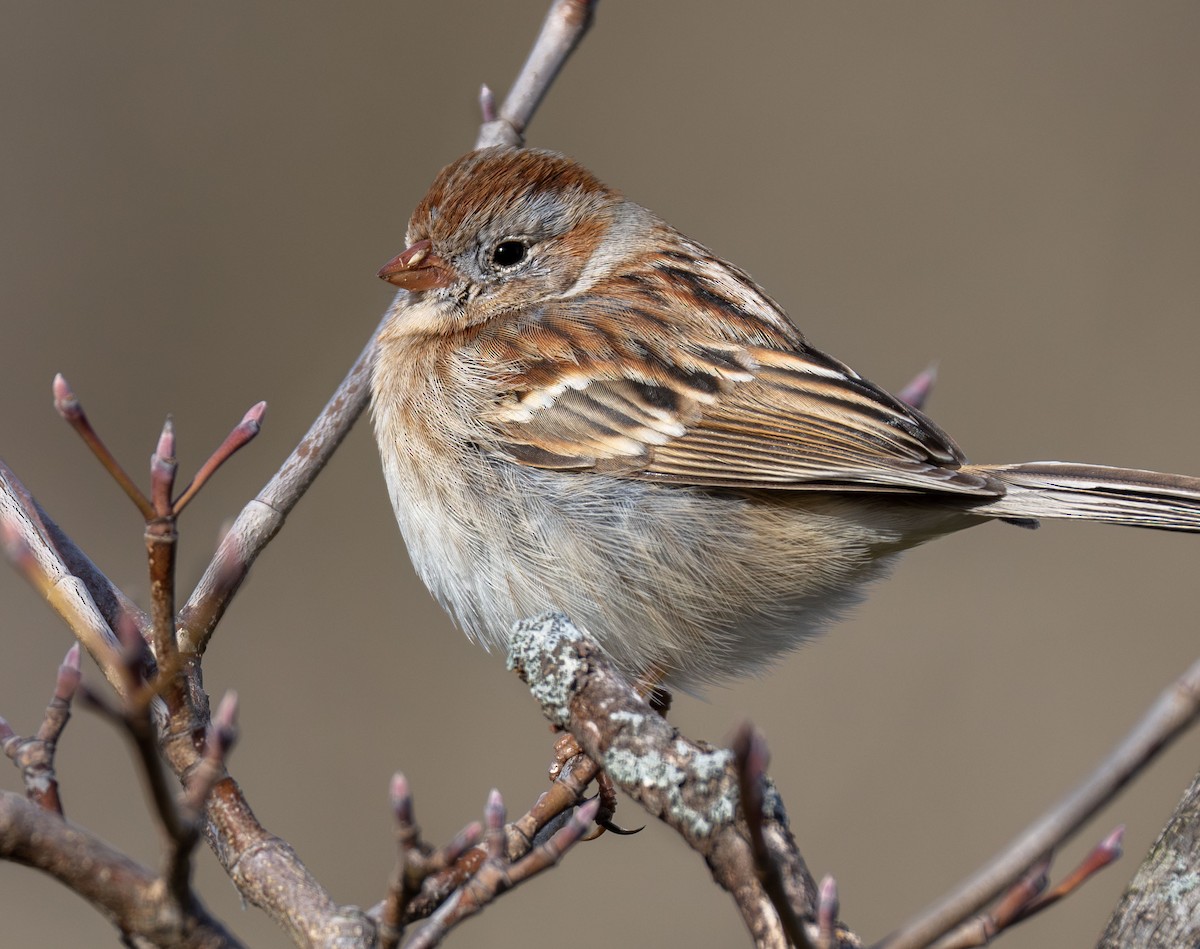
690	786
1161	907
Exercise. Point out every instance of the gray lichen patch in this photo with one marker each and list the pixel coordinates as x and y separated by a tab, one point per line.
1182	884
693	796
539	650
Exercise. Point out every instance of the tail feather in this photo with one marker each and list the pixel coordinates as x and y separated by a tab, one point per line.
1094	492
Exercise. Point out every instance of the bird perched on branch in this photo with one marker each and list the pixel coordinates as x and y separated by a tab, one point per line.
579	408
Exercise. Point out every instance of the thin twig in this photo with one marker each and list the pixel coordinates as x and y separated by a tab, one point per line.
750	755
69	408
1175	710
415	862
521	835
181	845
982	929
1102	855
161	545
497	875
35	756
219	741
243	433
562	30
129	894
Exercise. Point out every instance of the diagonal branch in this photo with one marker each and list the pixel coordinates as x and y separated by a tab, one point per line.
261	519
130	895
28	547
1175	710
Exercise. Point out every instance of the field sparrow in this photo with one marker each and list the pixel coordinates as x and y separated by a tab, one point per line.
580	409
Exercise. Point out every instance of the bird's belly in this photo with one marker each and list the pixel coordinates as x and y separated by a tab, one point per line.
689	583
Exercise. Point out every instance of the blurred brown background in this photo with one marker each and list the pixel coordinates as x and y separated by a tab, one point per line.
193	202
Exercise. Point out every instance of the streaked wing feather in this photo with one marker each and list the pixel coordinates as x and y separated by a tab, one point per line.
780	428
604	388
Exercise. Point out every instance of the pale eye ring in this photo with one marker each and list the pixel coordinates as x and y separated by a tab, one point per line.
509	252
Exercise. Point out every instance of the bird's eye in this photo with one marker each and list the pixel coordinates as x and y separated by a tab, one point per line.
508	253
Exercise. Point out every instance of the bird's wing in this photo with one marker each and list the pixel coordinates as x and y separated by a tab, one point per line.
586	394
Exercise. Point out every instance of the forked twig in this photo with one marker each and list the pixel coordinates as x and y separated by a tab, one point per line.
497	875
35	756
416	861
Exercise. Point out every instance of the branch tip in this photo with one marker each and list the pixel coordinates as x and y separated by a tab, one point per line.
254	415
401	800
164	451
487	103
493	820
241	435
69	676
1114	843
828	905
163	467
65	402
917	391
224	721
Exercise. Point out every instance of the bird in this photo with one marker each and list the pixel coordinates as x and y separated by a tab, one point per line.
580	409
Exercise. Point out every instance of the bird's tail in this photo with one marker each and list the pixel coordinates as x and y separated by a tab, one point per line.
1095	493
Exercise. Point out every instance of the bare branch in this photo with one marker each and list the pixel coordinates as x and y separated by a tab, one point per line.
1174	711
416	861
58	555
31	553
128	894
529	830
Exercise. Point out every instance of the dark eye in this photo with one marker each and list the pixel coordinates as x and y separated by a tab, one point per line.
508	253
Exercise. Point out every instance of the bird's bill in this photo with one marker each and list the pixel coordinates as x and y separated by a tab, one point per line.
417	268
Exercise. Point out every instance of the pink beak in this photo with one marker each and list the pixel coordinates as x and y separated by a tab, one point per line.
417	269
